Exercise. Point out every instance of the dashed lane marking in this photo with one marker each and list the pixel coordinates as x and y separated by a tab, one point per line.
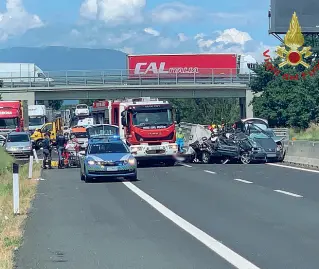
289	193
223	251
243	181
210	172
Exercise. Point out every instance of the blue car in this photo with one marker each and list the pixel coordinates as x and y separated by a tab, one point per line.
107	156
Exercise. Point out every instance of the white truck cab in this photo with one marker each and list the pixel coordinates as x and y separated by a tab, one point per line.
37	116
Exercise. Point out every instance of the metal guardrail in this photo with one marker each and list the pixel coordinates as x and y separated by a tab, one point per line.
282	132
124	77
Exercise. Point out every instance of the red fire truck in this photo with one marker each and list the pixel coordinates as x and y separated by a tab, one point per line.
11	117
148	126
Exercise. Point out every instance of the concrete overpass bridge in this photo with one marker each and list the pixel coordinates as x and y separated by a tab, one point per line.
79	87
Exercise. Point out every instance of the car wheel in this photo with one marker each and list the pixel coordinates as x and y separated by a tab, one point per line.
205	157
88	179
245	158
133	178
82	176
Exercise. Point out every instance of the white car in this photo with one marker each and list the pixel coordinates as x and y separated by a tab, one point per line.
82	110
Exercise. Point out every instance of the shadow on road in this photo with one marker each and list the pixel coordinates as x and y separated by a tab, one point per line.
151	165
110	180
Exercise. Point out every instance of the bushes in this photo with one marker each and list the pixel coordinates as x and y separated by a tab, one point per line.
310	134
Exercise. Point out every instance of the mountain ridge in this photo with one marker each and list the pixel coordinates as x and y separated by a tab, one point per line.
58	58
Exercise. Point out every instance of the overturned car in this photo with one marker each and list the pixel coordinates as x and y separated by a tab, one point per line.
226	146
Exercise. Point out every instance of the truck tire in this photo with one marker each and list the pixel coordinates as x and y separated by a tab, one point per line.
38	144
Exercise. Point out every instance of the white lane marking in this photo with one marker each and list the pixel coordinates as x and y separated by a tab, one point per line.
210	172
217	247
295	168
242	180
289	193
186	165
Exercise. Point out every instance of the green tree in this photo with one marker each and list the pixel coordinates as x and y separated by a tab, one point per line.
56	104
286	103
207	110
88	102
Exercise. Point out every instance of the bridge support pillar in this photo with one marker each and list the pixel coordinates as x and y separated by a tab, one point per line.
246	108
23	96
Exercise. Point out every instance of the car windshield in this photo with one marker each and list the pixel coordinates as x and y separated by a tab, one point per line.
102	148
8	123
259	131
81	107
152	117
18	138
36	121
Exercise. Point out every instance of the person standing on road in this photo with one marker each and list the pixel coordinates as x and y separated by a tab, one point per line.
180	140
46	152
60	144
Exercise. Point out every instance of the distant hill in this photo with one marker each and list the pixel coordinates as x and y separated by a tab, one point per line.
64	58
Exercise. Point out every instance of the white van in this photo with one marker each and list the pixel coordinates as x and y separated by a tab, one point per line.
86	122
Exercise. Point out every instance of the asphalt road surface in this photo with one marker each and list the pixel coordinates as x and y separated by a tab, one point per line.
182	217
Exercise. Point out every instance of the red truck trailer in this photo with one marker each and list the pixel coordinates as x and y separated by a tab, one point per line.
185	65
11	117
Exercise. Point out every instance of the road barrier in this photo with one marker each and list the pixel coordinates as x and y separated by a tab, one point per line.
303	153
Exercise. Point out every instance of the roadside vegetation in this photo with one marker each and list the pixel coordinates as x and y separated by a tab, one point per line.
11	227
310	134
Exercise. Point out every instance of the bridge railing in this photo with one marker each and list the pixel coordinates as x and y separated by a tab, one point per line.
124	77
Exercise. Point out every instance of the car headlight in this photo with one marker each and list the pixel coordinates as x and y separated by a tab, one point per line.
175	147
28	148
131	161
135	149
91	162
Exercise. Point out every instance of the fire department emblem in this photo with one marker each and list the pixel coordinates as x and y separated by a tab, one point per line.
292	51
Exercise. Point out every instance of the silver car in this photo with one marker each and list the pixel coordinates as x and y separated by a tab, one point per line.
19	145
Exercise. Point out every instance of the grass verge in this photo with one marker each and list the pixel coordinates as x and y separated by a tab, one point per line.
11	227
310	134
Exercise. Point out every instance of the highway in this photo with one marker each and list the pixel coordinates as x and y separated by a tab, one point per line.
182	217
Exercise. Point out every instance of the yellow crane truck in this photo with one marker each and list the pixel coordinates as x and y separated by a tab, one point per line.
51	127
